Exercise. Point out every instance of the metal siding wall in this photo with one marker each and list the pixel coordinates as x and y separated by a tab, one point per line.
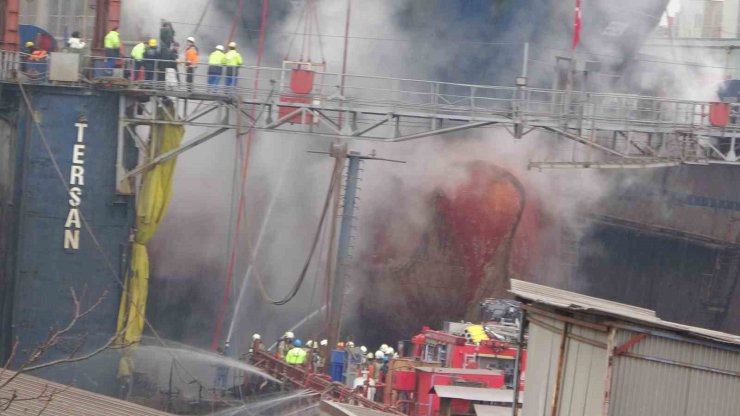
643	387
542	359
585	368
45	270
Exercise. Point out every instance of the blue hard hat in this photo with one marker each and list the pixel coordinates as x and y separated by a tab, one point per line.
297	343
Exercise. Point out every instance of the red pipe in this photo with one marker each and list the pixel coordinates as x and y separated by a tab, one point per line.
235	20
10	37
240	212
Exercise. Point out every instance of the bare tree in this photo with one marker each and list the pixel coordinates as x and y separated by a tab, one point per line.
10	395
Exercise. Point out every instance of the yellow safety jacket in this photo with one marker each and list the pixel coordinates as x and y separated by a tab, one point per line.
138	51
216	58
233	58
112	40
296	356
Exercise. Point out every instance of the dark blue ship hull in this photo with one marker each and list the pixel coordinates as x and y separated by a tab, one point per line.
47	250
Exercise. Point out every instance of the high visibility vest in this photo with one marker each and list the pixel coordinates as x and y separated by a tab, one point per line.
191	56
296	356
233	58
112	40
216	58
38	55
138	51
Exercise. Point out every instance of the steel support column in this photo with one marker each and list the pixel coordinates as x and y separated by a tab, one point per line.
343	248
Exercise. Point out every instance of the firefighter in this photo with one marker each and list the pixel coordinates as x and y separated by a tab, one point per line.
297	355
112	43
191	61
216	61
151	55
284	344
232	60
137	53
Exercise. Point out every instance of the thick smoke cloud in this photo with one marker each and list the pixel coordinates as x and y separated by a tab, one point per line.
389	38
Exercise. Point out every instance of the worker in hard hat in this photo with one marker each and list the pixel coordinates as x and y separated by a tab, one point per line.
233	60
26	52
191	61
151	56
137	53
112	44
216	61
285	344
296	355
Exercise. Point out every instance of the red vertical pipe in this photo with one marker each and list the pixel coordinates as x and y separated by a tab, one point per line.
344	57
240	212
10	25
346	45
235	20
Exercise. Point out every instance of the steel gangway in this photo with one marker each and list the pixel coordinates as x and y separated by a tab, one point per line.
611	130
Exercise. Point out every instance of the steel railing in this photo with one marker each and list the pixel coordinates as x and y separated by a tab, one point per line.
424	98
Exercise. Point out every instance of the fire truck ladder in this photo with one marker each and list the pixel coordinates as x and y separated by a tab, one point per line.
303	378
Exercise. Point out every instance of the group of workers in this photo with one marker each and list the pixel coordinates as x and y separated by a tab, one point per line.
363	368
150	58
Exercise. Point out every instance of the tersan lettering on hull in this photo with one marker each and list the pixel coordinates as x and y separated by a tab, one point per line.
73	224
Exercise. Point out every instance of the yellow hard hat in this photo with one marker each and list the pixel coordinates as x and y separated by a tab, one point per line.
232	44
152	42
29	44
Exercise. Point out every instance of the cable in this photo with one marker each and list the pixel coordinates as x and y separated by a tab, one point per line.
317	236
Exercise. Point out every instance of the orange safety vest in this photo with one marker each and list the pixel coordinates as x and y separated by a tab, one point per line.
38	55
191	56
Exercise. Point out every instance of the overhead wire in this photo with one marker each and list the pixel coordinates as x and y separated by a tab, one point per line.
314	243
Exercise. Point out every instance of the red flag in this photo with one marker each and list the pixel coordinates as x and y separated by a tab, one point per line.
577	25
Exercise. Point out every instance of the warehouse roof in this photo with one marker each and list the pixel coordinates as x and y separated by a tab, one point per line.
478	394
577	302
38	396
467	371
341	409
486	410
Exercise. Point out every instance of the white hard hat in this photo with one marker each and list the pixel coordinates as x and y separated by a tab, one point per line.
310	343
389	351
220	47
379	355
370	355
363	349
350	344
383	347
324	343
232	44
191	39
395	355
289	335
255	337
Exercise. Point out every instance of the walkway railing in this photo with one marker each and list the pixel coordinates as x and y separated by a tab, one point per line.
427	98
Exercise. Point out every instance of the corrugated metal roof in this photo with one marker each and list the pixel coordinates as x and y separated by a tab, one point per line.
467	371
342	409
486	410
576	301
479	394
61	400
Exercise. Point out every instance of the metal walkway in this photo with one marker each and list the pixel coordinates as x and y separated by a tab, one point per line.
607	130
